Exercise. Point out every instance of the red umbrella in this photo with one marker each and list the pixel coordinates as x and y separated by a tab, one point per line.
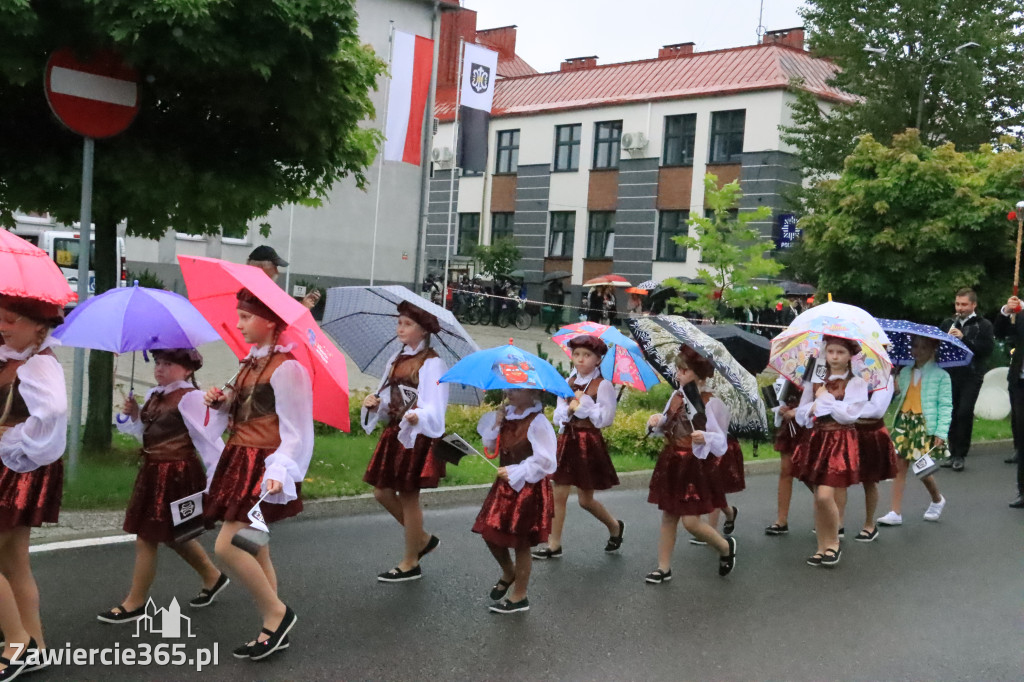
212	285
613	280
27	271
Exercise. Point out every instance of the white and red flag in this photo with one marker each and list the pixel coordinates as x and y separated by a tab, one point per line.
411	62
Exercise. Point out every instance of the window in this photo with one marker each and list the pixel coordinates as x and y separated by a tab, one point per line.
680	132
66	252
563	231
606	144
672	224
601	235
567	147
508	151
469	233
237	234
727	136
501	226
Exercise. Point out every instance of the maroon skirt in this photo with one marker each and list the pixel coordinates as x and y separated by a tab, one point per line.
877	452
406	470
32	498
510	519
730	467
237	486
583	460
158	484
683	485
788	436
828	456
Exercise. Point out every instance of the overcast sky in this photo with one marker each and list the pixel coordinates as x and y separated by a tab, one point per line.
625	30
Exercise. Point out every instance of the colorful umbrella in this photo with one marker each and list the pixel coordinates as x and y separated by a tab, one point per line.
660	337
649	285
27	271
842	311
507	367
792	350
212	285
607	280
638	291
623	365
362	320
952	352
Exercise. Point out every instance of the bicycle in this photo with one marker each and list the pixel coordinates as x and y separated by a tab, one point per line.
519	314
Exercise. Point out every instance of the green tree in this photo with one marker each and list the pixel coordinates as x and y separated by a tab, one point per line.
245	106
499	258
904	226
941	66
733	261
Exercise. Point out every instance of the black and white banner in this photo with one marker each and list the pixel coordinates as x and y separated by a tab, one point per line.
479	71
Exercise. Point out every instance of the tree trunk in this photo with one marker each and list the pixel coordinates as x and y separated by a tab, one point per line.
98	433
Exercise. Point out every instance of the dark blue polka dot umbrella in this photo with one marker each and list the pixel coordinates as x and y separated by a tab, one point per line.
951	352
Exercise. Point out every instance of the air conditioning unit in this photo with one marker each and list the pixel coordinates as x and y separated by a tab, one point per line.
634	141
442	156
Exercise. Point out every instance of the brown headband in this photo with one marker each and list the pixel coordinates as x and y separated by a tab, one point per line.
39	311
250	304
420	317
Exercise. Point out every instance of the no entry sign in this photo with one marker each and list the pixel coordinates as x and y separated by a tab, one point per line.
97	98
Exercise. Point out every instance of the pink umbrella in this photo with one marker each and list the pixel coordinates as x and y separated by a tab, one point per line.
623	365
612	280
212	285
27	271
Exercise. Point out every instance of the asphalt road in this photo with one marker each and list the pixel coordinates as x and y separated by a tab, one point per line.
927	601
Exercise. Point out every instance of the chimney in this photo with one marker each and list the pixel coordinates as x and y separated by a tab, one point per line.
579	63
677	50
790	37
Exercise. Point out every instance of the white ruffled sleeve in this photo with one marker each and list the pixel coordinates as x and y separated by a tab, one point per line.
431	405
601	412
41	439
716	433
561	415
804	416
542	462
293	402
130	427
488	429
370	418
206	438
878	402
849	409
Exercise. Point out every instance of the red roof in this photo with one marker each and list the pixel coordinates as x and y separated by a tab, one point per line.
701	74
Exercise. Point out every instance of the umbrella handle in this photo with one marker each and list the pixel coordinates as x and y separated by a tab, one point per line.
131	395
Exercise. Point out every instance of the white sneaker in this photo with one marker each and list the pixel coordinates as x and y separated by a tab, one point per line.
891	519
935	509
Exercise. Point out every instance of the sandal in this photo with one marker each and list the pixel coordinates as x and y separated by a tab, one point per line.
615	541
776	529
730	524
658	576
119	614
728	562
815	559
831	557
501	589
866	536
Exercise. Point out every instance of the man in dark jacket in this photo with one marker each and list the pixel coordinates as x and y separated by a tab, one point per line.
977	334
1013	331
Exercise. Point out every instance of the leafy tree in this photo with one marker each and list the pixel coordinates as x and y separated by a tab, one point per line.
245	106
732	257
903	227
499	258
942	66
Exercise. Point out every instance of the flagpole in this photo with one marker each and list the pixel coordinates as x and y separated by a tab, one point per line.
455	163
380	162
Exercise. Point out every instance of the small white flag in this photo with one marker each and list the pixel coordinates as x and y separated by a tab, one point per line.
479	71
256	517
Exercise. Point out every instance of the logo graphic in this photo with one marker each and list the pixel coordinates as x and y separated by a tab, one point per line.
169	623
789	233
479	78
187	509
310	337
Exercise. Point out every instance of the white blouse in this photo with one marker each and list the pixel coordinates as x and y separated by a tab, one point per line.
431	401
293	403
541	436
600	412
845	411
878	401
716	431
205	439
41	439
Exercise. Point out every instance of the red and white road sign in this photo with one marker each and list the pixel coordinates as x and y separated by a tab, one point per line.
95	98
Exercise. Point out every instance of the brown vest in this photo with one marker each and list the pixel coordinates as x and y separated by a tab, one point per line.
405	372
513	444
591	391
837	387
164	434
678	429
254	420
12	404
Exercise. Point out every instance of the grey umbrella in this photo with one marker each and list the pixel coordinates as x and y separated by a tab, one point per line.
557	274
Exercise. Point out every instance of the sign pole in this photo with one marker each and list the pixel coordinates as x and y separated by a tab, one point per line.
84	244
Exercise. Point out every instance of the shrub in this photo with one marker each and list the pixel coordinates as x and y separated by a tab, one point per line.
146	279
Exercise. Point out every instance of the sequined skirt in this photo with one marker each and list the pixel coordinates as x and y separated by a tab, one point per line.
788	436
683	485
511	519
406	470
730	467
877	453
828	456
31	498
237	486
158	484
583	460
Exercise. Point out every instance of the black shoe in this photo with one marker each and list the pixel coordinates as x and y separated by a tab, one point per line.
509	606
727	563
265	648
206	596
866	536
16	668
432	544
658	576
831	557
958	464
547	553
841	533
397	575
1018	503
500	588
615	541
814	559
246	649
1012	459
946	463
776	529
119	614
730	524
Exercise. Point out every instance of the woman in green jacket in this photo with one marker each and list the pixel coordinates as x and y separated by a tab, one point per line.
922	425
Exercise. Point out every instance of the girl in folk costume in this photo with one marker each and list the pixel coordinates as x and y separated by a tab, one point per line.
33	428
583	459
922	424
519	507
414	404
269	410
170	427
877	455
828	458
683	485
788	434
